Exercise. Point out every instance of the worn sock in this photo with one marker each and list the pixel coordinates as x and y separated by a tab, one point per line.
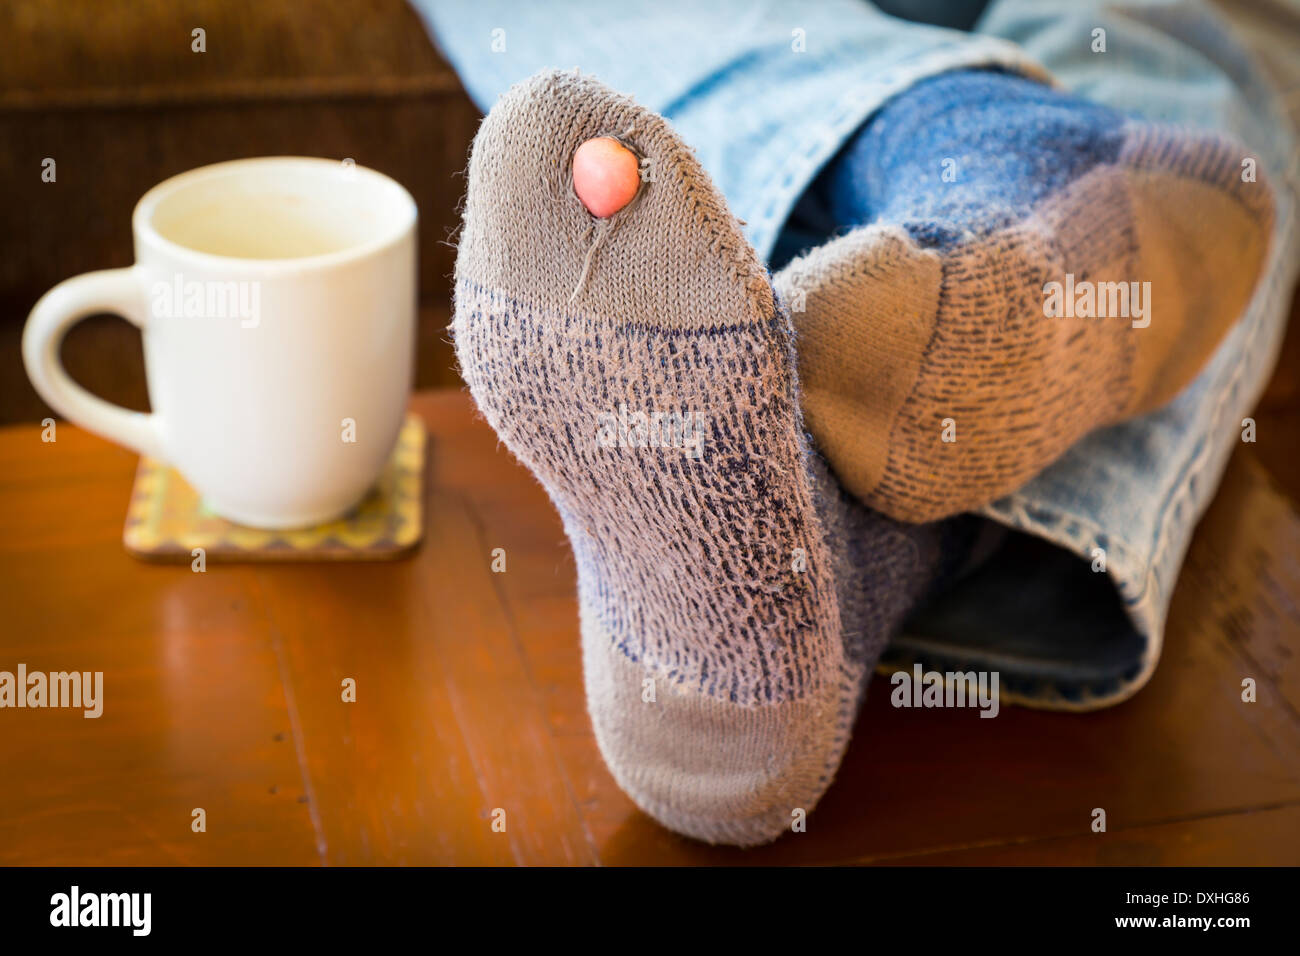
1026	267
733	598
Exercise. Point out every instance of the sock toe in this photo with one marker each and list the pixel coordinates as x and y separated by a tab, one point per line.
1201	215
675	253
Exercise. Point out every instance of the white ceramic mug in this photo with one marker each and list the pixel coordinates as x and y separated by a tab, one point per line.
276	298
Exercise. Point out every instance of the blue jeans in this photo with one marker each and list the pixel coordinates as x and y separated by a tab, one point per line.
767	93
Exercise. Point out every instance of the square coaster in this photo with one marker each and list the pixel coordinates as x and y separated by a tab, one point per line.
167	520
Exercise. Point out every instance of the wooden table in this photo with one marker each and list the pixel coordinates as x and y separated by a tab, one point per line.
223	692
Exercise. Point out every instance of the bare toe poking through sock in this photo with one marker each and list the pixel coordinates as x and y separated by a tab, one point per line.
606	175
659	411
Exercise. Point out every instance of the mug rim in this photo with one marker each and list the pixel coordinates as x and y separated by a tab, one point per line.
147	234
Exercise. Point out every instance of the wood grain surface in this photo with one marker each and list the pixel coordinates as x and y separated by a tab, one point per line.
223	692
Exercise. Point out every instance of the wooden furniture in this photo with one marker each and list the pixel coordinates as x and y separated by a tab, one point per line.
223	691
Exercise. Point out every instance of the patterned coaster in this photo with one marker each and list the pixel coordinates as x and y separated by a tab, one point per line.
167	520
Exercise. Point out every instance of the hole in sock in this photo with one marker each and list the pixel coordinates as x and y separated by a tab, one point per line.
607	201
606	175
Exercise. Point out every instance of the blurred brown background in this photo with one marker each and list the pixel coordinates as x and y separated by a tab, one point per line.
116	96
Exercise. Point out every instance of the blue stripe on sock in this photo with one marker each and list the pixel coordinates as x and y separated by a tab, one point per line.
1012	141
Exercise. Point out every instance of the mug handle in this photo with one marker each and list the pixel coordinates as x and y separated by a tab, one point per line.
109	290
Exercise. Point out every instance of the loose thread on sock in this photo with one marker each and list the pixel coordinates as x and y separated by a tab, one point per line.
602	229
